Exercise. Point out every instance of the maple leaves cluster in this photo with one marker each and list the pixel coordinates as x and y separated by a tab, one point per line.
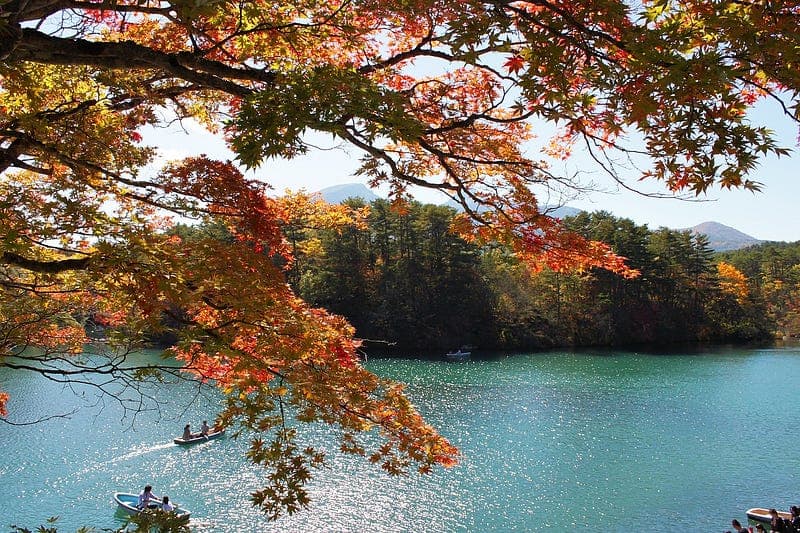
436	94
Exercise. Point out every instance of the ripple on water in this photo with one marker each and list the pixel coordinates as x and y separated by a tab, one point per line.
556	441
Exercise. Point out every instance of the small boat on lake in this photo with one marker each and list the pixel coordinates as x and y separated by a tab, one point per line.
199	437
760	514
462	354
127	502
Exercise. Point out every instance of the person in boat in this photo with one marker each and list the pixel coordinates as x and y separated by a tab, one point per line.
187	432
166	506
778	524
795	521
204	429
145	497
760	529
738	527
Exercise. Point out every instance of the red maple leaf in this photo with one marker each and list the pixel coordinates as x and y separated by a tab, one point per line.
514	63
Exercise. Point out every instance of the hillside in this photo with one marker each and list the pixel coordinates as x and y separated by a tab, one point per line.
557	212
339	193
722	238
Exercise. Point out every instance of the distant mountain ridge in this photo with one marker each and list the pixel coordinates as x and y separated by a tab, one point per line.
721	237
561	211
339	193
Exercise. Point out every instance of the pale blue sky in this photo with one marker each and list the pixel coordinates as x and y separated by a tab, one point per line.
773	214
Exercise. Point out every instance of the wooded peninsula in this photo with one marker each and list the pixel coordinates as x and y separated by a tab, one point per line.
410	285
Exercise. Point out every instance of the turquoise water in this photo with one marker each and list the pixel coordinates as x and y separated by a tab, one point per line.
551	442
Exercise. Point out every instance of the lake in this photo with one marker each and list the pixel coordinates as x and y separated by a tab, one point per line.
557	441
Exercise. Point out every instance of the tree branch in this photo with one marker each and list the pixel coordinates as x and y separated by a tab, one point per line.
44	267
39	47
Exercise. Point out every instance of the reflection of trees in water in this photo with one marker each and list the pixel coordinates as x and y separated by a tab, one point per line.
135	382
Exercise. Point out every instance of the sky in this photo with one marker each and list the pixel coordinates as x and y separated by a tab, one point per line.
772	214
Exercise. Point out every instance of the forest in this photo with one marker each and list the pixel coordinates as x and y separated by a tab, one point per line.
410	285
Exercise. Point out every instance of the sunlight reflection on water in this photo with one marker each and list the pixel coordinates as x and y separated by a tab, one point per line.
550	441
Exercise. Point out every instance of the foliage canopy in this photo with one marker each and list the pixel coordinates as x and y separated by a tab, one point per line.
435	93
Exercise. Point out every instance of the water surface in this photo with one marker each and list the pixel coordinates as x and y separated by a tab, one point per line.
612	441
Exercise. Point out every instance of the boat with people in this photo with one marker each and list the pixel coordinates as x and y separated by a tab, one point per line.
127	502
200	437
462	354
760	514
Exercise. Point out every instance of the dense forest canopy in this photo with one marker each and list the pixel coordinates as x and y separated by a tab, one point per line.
434	93
412	287
772	274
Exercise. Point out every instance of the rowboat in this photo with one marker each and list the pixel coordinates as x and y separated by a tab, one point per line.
199	437
759	514
459	355
127	502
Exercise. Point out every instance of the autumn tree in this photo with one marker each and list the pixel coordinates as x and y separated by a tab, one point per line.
338	269
732	281
433	93
772	273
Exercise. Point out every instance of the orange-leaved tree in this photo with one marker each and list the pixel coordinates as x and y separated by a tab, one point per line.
437	94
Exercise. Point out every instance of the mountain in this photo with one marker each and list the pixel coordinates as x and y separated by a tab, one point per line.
722	238
339	193
563	211
556	212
